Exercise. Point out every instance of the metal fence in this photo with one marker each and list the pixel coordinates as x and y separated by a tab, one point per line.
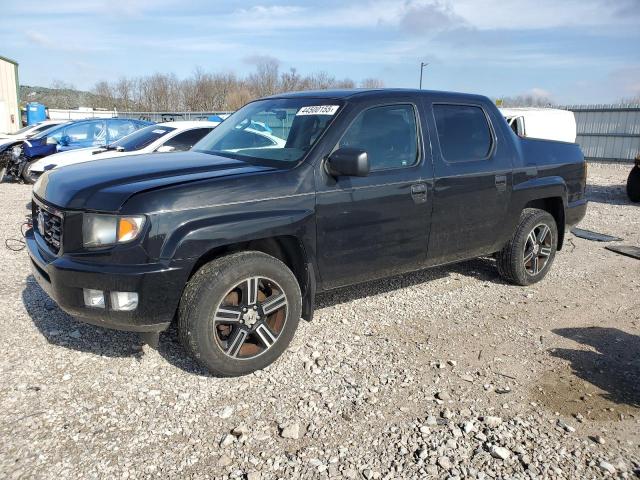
60	114
609	133
173	116
605	132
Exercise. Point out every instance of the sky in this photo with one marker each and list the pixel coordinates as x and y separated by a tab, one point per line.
573	51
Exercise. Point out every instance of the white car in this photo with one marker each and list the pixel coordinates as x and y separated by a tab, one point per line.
255	138
161	137
8	139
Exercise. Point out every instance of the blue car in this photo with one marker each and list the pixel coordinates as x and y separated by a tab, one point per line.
95	132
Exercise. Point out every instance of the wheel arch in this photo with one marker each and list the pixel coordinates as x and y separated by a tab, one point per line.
289	249
555	207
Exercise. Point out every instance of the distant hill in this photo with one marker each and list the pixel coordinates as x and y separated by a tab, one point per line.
58	97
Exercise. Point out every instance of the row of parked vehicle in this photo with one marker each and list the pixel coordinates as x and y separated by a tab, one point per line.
26	154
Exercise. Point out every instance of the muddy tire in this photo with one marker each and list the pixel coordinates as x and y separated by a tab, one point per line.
528	256
239	313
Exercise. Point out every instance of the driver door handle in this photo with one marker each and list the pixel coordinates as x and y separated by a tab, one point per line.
419	192
501	182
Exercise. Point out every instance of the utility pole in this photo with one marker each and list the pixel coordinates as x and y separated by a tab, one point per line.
422	65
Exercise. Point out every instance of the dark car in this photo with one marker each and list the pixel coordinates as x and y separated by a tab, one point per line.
91	132
234	238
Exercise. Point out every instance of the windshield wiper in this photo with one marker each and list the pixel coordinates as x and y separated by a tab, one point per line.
117	148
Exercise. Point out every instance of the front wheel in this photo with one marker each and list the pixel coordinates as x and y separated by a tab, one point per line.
239	313
633	184
528	256
26	174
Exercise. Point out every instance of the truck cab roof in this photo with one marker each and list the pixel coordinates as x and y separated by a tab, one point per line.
367	93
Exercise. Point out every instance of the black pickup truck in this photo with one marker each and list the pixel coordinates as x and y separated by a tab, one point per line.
234	238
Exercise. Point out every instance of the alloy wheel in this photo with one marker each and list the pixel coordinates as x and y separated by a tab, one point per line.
250	318
537	249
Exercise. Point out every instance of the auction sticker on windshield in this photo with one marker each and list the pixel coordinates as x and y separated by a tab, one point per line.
318	110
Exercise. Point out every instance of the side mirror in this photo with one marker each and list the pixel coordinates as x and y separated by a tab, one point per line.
348	162
165	149
52	141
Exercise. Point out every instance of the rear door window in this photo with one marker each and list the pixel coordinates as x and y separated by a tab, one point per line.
463	132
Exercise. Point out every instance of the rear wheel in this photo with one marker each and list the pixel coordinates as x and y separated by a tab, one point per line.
528	256
633	184
239	313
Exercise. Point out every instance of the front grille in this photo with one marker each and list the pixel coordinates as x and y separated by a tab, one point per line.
48	222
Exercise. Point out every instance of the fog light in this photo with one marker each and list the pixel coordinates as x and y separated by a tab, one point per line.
125	301
93	298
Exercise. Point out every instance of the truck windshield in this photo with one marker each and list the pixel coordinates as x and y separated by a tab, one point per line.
141	138
272	130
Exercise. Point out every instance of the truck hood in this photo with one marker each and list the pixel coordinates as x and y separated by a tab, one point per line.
106	185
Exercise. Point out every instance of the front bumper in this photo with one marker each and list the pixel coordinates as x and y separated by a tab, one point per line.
575	212
159	288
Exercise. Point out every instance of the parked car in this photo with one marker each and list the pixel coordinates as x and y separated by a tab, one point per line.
28	131
544	123
633	181
10	140
234	239
92	132
163	137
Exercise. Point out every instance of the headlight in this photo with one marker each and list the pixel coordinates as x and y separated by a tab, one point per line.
100	230
16	151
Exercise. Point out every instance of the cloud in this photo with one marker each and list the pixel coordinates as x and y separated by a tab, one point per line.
128	8
38	38
542	14
624	8
537	92
421	18
626	80
63	43
260	60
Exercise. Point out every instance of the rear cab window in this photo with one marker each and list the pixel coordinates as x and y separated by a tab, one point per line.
464	133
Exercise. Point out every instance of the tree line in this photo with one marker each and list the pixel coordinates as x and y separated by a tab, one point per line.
205	92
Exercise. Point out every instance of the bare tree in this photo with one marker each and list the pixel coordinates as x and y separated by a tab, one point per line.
527	101
371	83
238	97
124	92
104	92
207	92
290	81
265	80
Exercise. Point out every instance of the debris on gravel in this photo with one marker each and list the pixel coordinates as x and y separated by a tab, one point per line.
442	373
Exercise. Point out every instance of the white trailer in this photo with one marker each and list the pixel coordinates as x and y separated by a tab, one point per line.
545	123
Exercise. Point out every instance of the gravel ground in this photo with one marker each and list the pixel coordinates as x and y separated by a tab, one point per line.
442	373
